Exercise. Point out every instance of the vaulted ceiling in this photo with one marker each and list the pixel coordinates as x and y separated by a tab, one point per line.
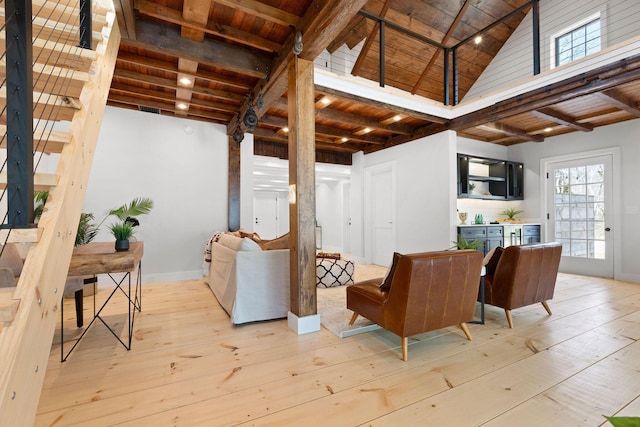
213	60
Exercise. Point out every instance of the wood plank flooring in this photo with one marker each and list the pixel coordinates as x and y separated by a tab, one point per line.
189	366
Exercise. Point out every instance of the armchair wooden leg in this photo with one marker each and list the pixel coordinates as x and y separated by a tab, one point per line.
509	319
353	318
405	348
464	328
546	307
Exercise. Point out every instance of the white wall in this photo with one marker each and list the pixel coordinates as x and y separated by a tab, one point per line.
425	193
329	215
147	155
514	62
624	135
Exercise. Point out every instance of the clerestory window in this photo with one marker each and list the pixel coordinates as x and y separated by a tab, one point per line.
578	42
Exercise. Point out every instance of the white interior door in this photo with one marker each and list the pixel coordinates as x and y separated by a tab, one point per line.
265	214
381	195
346	218
579	201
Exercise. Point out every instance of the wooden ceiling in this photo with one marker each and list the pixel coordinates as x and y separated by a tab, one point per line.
213	60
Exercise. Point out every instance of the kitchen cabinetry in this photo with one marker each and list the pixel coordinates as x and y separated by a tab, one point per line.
530	234
491	179
492	236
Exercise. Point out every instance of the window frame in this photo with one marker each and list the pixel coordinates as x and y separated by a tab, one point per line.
582	23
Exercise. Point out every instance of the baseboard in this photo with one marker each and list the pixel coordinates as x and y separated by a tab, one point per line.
171	277
303	325
635	278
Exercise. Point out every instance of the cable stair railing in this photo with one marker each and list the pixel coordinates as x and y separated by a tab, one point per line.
52	98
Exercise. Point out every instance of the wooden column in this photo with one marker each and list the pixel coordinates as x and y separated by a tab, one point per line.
302	193
234	185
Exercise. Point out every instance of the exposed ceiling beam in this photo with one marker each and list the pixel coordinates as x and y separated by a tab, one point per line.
329	131
264	11
621	101
353	25
170	107
158	64
352	119
322	21
155	10
126	18
167	41
398	110
587	83
195	11
511	131
561	118
270	135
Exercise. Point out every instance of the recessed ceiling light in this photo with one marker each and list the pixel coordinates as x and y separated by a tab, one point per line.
397	118
344	139
325	101
477	40
548	129
185	81
285	129
182	106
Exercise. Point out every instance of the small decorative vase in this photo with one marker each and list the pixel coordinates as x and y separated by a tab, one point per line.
463	218
122	245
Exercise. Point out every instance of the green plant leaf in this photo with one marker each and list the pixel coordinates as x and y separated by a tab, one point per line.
624	421
462	243
138	206
121	230
510	213
87	230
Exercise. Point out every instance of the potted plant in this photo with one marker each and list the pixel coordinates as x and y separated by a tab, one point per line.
122	231
511	213
463	243
127	214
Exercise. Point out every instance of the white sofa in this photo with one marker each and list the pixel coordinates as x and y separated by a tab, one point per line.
249	283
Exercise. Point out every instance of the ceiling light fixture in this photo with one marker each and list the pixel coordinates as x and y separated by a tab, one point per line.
366	130
181	105
325	101
285	129
477	40
344	139
548	129
185	81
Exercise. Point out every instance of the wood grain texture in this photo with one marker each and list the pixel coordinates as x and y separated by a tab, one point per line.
101	257
191	366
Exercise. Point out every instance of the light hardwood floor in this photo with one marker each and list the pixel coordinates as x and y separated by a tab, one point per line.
189	366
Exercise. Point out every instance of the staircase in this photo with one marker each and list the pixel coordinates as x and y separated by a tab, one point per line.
69	95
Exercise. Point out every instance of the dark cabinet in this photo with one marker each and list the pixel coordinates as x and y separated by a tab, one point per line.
490	236
530	234
492	179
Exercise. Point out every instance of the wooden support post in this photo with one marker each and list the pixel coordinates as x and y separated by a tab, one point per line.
302	194
234	185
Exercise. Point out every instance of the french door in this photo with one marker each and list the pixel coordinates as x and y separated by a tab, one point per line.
579	213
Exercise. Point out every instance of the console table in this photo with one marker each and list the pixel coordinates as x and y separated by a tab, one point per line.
102	258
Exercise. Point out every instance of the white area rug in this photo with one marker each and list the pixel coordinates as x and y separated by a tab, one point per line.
334	315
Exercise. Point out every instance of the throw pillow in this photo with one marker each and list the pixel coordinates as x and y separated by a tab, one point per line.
281	242
388	278
10	258
249	245
230	241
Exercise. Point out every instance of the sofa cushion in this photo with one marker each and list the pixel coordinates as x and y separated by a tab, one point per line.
388	278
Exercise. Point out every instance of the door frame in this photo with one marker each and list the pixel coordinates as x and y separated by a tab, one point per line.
369	172
616	196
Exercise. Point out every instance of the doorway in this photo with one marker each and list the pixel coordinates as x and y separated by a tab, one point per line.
580	212
380	202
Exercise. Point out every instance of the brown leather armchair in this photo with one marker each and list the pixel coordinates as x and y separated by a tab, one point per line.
523	275
428	291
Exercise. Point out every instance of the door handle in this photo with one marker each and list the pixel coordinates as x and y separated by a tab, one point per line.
607	229
256	220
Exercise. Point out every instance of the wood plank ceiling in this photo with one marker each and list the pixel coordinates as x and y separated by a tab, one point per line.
214	60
